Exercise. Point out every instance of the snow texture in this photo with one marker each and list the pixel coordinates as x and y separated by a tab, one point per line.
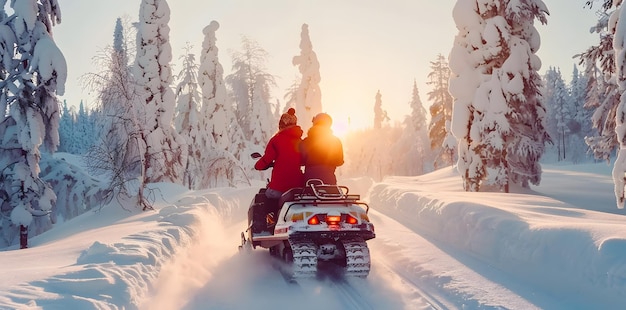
436	246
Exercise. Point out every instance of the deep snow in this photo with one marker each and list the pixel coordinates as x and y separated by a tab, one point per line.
561	245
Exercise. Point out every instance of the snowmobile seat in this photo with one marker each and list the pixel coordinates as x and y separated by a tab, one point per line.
289	195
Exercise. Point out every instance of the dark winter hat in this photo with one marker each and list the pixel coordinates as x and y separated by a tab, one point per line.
322	119
288	119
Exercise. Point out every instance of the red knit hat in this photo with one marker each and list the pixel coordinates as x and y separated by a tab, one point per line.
288	119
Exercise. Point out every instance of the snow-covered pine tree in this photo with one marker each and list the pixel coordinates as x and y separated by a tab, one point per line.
84	136
187	118
32	73
374	152
290	96
262	122
580	125
415	158
250	89
217	118
498	117
248	71
618	27
214	96
309	95
603	94
66	129
557	101
442	142
163	148
380	115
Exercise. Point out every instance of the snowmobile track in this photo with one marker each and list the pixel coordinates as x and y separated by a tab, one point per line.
429	295
284	271
353	299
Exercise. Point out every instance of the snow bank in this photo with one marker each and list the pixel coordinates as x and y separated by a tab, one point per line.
545	242
119	274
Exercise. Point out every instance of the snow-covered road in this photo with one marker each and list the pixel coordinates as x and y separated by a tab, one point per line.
436	247
406	274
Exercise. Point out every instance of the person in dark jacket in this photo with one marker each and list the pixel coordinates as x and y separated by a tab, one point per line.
283	151
322	152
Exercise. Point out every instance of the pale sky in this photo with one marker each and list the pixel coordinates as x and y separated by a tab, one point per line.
362	45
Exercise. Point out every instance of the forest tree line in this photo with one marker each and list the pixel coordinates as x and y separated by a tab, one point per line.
490	112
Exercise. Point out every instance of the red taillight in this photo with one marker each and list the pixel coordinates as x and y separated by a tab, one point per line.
314	220
351	220
333	219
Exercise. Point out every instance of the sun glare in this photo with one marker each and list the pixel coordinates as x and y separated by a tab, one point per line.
340	128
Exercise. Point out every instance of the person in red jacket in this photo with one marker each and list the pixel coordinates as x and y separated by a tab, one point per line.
322	152
283	152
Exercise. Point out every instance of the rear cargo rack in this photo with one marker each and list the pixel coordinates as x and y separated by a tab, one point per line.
317	192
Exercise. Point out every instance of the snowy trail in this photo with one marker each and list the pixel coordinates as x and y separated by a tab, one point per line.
408	272
198	279
401	277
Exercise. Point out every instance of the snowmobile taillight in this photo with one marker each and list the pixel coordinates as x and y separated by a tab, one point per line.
333	219
351	219
314	220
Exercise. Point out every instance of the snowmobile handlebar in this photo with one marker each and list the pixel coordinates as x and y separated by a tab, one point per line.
256	155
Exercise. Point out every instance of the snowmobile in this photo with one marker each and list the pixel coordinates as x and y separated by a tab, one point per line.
310	227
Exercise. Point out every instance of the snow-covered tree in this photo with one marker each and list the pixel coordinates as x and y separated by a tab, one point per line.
373	151
85	135
413	141
617	25
164	150
249	86
76	191
219	165
116	153
290	95
249	76
32	73
603	95
262	123
380	115
309	95
187	118
558	104
580	125
442	142
66	129
498	117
